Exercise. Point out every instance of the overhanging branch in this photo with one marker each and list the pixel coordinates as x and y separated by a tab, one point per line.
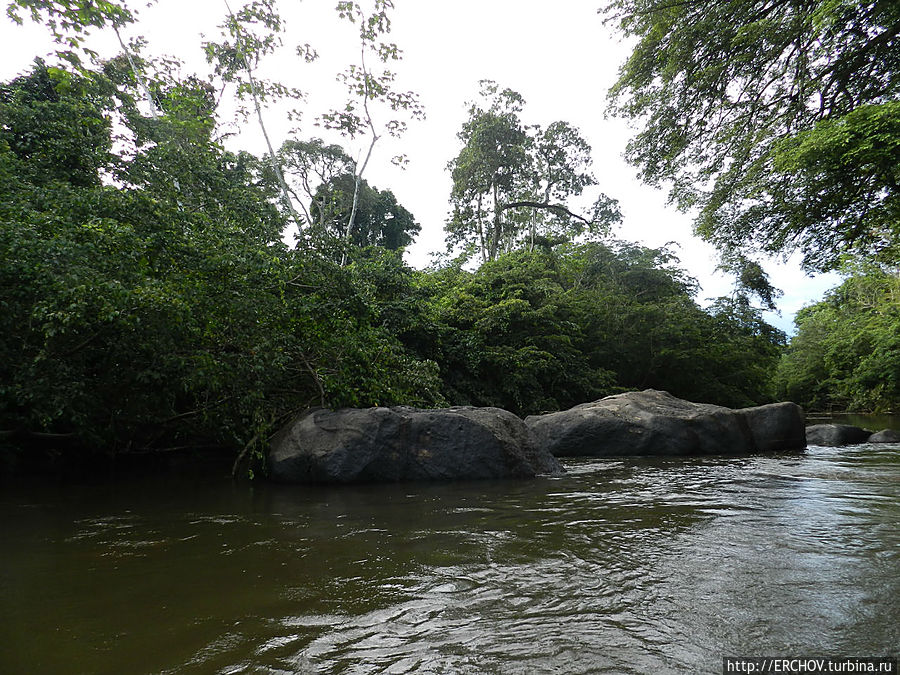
558	208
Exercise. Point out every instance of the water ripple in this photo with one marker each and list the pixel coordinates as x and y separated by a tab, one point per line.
626	566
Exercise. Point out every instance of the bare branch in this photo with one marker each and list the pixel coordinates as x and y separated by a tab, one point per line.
559	208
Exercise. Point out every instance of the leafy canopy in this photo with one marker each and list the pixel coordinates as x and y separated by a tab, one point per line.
778	119
164	310
380	220
845	353
512	183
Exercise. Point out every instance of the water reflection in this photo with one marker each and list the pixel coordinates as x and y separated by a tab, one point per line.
627	566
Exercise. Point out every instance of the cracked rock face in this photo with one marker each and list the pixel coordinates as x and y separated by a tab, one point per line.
653	422
400	443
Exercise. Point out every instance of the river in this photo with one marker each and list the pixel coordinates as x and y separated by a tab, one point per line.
629	566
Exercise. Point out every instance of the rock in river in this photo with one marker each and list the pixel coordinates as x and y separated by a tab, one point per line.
393	444
656	423
885	436
836	435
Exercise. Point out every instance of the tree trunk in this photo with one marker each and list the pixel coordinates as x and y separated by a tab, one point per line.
480	225
285	194
495	235
358	174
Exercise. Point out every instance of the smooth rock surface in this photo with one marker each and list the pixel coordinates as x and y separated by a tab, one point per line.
836	435
776	426
885	436
656	423
401	443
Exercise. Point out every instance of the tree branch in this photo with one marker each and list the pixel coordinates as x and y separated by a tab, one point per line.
276	168
559	208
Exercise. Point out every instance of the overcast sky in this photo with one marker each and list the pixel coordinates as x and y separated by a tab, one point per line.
559	56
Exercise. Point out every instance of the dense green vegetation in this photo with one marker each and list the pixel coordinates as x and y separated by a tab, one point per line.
149	300
846	354
778	120
778	123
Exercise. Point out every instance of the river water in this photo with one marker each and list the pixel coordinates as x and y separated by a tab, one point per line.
630	566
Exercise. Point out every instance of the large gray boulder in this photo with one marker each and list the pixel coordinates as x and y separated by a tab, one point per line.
395	444
777	426
656	423
836	435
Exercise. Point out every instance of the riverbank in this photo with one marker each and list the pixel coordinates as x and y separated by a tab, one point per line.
76	463
46	455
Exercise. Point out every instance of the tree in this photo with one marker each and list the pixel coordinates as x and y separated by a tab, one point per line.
307	165
512	182
37	127
236	62
368	87
779	120
846	353
379	221
562	160
750	281
491	170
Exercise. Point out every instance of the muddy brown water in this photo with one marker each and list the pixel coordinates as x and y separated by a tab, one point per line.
625	566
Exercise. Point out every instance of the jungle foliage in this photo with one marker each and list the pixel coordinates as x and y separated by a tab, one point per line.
778	123
846	354
148	299
150	302
778	120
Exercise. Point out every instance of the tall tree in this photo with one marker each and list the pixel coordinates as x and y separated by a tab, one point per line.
512	182
778	119
379	221
252	33
306	166
492	170
561	162
367	87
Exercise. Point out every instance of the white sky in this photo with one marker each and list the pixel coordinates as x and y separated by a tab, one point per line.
560	57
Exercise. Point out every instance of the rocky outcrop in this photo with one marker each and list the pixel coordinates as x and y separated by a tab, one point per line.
835	435
775	427
656	423
395	444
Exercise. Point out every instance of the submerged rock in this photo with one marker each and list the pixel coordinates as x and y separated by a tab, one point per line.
885	436
394	444
835	435
656	423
